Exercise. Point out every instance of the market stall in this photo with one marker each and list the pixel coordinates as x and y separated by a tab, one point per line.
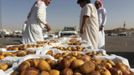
62	56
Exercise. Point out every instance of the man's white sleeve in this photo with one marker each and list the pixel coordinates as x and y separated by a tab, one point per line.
104	17
86	11
41	13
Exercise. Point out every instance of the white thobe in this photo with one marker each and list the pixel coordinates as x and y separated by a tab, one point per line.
102	17
91	27
33	31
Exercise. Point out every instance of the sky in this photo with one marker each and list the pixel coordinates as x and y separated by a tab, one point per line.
62	13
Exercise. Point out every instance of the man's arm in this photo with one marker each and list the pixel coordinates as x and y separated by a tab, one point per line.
47	27
84	21
41	15
104	19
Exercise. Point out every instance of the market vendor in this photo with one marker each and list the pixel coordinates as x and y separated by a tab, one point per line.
89	26
102	17
36	22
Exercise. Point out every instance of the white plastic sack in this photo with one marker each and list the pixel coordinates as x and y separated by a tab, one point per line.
15	65
2	72
10	60
115	58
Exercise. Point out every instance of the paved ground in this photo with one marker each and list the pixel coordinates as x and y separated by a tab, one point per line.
120	44
9	41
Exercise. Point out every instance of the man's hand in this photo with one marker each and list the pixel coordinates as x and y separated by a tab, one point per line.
101	28
48	28
84	21
25	22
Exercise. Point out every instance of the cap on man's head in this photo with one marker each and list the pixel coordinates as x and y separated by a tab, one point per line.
80	1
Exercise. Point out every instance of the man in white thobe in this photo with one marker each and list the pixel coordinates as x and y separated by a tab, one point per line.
89	26
102	17
36	22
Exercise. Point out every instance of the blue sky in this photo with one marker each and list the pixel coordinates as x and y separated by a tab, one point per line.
66	13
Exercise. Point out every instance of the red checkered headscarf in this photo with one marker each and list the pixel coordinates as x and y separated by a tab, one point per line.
101	1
